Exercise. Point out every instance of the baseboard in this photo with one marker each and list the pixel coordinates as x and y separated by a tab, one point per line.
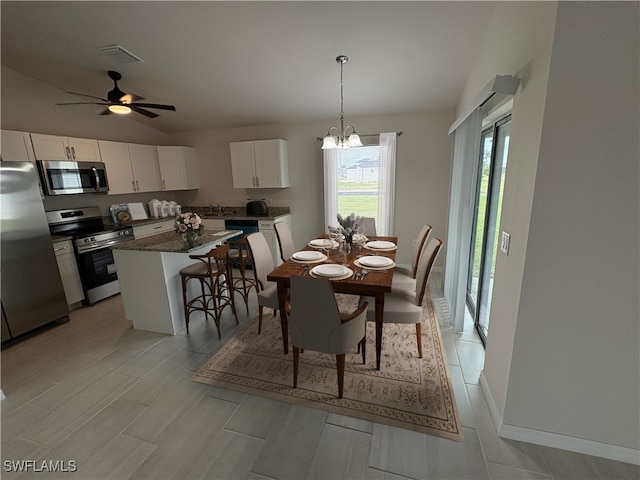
572	444
554	440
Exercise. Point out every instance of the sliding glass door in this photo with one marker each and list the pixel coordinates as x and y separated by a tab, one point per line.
494	147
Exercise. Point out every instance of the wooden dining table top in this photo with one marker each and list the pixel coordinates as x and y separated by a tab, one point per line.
375	280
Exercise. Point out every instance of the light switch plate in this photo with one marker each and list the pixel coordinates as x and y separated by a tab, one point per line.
505	239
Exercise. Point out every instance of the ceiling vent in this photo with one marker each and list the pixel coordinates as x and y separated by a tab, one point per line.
120	54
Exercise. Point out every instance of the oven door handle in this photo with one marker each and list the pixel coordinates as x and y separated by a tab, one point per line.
97	177
101	246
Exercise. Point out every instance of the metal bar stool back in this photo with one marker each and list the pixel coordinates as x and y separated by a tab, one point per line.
213	271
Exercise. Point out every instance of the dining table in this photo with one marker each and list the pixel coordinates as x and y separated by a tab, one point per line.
373	283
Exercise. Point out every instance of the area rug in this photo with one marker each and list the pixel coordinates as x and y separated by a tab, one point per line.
407	392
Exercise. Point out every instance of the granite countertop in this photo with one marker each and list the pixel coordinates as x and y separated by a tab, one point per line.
227	213
173	243
60	238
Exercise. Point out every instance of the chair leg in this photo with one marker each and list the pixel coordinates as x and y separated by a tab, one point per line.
419	335
260	310
296	358
184	302
340	365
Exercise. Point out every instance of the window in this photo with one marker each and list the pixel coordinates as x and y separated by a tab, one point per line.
361	180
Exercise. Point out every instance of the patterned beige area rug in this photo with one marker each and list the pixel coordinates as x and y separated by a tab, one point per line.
406	392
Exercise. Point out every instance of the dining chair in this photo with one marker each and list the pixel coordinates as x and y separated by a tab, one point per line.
213	272
262	266
285	240
404	306
316	324
405	278
369	226
240	260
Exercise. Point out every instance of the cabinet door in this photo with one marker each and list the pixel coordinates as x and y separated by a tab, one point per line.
84	149
144	164
69	272
115	156
50	147
190	167
172	170
270	159
242	165
16	146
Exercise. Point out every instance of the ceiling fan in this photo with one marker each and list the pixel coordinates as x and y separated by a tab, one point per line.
120	102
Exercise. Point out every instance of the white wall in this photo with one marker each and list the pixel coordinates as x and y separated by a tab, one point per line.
562	360
424	152
576	360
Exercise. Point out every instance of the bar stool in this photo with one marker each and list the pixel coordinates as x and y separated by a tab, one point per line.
213	271
240	257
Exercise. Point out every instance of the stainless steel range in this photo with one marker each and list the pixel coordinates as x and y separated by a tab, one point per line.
92	242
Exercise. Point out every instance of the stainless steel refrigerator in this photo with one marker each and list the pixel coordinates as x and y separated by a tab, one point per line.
30	288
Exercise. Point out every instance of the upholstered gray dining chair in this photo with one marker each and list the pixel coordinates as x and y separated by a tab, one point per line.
369	226
405	278
404	306
316	324
285	240
262	266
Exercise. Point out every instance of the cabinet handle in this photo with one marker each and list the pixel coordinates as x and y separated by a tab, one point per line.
73	152
133	185
137	186
60	248
68	152
164	185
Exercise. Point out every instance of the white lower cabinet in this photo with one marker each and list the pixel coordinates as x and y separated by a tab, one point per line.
149	229
69	271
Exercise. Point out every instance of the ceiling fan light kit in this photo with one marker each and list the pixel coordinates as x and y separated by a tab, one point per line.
340	140
121	102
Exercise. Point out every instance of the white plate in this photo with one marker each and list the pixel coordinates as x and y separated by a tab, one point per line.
321	243
373	261
307	255
329	270
380	245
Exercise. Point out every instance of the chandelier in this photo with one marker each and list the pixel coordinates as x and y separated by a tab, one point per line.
340	140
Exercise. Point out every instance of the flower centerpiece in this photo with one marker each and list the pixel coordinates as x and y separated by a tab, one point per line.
189	226
349	226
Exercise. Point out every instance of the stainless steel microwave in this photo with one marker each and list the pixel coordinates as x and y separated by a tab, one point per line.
68	177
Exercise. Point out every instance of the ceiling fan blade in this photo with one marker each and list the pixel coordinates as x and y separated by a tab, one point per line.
88	96
82	103
144	112
106	111
154	105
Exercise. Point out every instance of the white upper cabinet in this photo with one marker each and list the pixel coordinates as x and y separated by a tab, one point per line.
53	147
144	164
115	156
130	167
260	164
16	146
178	168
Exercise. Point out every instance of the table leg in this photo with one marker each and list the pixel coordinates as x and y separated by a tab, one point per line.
379	322
284	323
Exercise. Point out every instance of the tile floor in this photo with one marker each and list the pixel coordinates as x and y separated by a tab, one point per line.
119	404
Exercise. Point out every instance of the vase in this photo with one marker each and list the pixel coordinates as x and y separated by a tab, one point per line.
190	240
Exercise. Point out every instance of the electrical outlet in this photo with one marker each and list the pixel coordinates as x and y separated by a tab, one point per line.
413	242
505	239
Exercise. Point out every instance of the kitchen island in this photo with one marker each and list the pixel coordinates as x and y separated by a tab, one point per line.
148	270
